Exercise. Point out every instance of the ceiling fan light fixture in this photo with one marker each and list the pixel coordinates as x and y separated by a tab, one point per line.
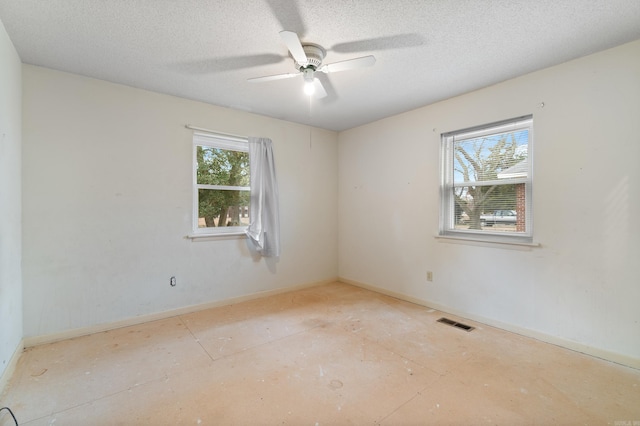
309	88
309	84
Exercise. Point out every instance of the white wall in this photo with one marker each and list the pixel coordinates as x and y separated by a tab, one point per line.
10	202
581	286
108	199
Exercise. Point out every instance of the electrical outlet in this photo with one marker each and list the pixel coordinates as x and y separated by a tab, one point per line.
429	276
172	282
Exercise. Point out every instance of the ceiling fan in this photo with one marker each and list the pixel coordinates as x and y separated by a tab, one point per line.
308	59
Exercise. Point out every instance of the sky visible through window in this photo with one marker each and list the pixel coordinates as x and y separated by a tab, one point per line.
481	159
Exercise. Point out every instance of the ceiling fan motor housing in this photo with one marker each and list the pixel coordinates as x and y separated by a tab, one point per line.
315	55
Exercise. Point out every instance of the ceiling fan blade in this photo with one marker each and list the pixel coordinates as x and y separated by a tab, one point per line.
288	14
226	63
273	77
320	92
294	45
380	43
349	64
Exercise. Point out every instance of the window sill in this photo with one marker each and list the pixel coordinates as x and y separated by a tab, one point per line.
486	242
218	235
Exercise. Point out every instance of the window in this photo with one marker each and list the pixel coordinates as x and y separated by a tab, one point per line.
486	182
221	184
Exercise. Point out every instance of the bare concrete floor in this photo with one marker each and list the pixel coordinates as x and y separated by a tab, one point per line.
333	354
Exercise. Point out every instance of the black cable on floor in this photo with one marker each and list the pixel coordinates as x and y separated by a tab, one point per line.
10	412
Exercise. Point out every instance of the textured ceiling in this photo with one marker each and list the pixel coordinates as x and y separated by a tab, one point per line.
426	51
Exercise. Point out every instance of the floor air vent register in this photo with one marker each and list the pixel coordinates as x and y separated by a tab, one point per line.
456	324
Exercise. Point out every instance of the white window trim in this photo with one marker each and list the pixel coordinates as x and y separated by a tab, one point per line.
222	141
447	201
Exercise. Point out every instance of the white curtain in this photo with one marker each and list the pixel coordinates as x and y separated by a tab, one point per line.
264	229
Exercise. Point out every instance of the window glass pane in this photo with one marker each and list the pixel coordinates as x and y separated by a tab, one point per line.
487	158
222	167
494	208
223	208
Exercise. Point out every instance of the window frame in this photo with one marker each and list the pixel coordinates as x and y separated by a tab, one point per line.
217	141
447	199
